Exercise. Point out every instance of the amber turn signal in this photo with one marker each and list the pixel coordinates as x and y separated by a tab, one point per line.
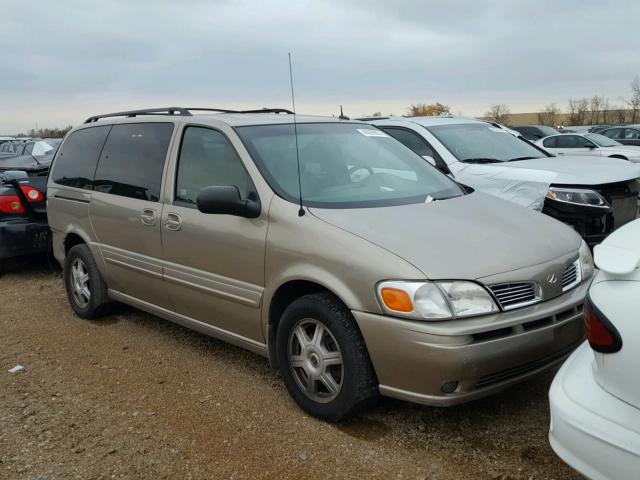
397	300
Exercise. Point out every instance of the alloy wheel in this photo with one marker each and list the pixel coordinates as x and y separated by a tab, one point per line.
80	283
315	360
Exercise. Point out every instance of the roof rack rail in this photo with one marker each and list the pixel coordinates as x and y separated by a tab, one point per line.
181	111
370	119
148	111
268	110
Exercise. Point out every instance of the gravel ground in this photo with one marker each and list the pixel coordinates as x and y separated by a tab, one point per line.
133	396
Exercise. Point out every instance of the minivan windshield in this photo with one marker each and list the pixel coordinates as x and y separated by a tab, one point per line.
601	140
343	165
483	143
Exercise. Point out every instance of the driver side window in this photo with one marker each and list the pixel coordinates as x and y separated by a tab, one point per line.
208	159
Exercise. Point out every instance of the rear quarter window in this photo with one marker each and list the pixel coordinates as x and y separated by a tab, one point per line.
132	160
76	161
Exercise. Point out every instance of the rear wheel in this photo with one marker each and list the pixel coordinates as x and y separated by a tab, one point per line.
323	359
85	287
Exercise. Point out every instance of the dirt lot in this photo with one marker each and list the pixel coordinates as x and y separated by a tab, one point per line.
133	396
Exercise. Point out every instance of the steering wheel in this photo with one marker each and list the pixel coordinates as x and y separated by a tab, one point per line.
357	168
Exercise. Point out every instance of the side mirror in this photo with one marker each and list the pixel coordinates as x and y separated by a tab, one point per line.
592	146
226	201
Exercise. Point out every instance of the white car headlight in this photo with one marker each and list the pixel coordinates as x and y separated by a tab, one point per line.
440	300
587	266
577	196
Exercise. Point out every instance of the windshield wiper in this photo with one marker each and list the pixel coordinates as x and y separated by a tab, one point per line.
517	159
481	160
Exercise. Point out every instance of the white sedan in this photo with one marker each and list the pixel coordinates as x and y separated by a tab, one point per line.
590	144
595	397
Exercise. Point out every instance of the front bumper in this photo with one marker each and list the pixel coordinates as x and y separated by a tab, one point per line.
419	361
23	237
593	431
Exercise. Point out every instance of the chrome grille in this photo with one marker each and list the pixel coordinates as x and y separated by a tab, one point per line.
571	276
514	295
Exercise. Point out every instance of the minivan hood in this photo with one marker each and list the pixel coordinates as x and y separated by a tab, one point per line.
467	237
581	170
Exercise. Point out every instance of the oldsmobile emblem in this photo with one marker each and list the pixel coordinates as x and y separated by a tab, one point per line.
552	279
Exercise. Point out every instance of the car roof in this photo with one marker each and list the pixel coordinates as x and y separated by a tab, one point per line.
427	120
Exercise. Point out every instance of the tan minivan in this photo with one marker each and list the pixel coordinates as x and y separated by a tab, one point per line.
325	245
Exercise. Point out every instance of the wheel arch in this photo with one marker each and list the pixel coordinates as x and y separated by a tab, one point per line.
286	293
621	157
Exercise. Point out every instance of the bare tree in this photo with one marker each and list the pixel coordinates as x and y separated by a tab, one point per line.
606	110
596	106
422	109
633	102
499	113
578	110
619	115
550	115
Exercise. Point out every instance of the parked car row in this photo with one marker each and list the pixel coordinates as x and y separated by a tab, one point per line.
416	258
33	156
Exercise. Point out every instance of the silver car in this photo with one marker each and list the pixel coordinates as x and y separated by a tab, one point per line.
327	246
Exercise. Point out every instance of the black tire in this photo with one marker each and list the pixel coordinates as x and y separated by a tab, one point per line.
358	385
98	302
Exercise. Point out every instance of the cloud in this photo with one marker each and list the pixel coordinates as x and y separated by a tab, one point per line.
64	63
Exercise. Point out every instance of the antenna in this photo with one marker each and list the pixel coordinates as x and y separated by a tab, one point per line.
295	132
342	115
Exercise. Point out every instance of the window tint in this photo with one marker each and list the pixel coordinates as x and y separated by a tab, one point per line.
28	149
615	133
208	159
132	160
76	161
549	142
411	140
572	141
631	134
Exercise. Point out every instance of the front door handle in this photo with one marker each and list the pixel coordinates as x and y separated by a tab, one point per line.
173	222
148	217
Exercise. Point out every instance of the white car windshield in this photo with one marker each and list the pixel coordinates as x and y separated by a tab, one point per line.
343	165
602	141
41	148
483	143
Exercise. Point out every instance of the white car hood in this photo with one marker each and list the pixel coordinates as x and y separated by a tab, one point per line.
580	170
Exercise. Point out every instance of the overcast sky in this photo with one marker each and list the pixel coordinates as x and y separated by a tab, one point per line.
64	61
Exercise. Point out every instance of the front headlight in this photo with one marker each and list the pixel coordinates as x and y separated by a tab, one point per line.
440	300
587	266
577	196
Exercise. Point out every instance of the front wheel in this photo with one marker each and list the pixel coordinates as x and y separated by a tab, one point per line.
323	358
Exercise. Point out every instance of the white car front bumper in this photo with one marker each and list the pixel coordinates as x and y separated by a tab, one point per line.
591	430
